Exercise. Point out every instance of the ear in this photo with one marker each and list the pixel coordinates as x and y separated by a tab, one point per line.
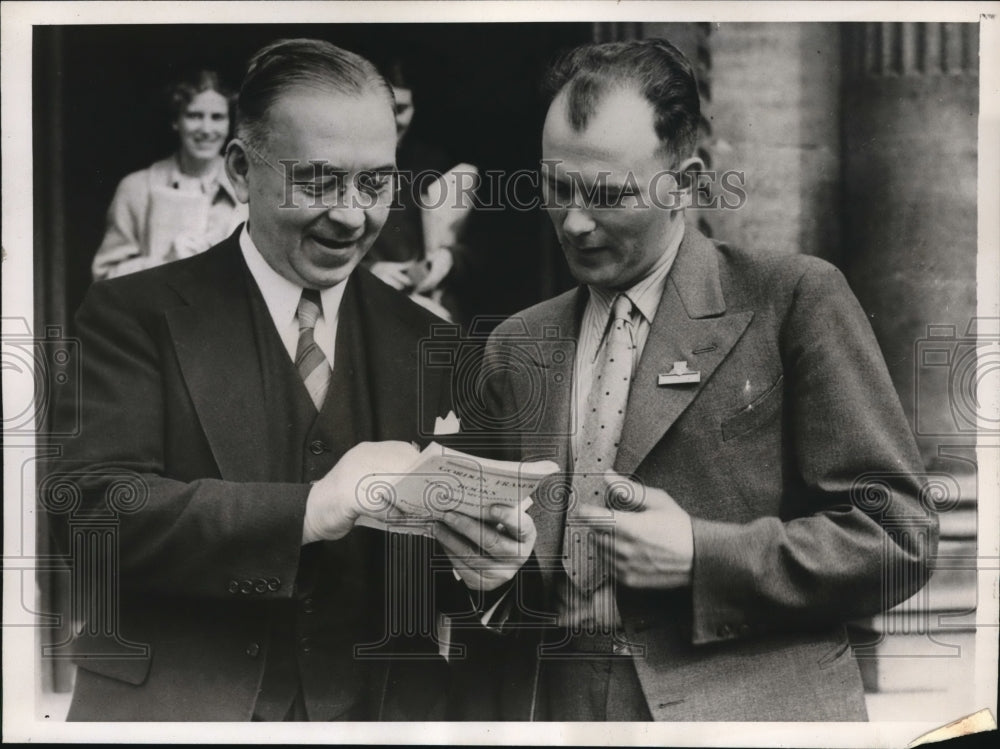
687	179
238	169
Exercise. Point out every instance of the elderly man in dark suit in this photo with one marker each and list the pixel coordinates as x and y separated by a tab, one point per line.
244	391
719	417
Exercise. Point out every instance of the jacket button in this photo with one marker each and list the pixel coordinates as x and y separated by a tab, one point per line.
305	644
233	586
308	606
253	649
246	587
744	629
317	447
260	585
725	631
273	584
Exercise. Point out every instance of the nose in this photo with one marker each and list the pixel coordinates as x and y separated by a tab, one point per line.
348	212
576	223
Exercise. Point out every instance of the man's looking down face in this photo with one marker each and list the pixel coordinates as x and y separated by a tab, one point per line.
615	239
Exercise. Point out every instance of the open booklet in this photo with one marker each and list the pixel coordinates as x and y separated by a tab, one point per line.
445	480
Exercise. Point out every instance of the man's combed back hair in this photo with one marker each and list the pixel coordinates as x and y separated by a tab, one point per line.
291	63
653	67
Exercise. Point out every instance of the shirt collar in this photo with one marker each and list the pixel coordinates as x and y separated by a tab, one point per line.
281	295
645	293
226	186
213	181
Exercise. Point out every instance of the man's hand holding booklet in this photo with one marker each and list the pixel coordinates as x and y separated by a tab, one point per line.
444	480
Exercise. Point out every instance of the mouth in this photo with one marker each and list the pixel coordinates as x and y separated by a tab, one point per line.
334	244
587	250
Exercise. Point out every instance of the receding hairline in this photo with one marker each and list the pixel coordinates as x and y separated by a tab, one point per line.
287	67
261	126
601	95
657	69
562	99
609	86
323	87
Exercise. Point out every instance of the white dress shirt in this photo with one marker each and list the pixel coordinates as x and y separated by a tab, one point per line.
282	299
645	294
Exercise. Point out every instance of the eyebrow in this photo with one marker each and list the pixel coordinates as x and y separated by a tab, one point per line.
601	187
331	170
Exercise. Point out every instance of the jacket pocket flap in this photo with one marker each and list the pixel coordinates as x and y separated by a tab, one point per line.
757	413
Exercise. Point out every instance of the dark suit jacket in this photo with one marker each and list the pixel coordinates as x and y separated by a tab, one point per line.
771	453
173	394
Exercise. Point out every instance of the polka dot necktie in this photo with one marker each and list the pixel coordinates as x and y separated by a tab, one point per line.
600	432
309	359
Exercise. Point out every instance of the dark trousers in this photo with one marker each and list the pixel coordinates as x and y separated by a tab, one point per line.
590	686
297	712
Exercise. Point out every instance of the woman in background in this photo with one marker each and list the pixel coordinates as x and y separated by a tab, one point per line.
184	204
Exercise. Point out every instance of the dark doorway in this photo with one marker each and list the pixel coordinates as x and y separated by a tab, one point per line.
98	117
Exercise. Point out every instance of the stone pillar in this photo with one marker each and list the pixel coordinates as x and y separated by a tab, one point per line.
772	112
909	138
909	126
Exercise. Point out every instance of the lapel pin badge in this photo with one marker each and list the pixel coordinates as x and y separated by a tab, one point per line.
679	375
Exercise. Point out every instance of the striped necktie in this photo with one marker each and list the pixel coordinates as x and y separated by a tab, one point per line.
313	367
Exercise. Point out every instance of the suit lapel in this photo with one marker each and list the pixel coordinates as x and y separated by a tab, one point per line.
351	365
556	357
213	337
690	325
388	337
556	372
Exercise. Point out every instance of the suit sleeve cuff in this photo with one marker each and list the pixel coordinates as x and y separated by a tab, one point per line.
719	583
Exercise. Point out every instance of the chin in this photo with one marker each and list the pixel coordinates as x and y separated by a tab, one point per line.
327	279
324	278
592	276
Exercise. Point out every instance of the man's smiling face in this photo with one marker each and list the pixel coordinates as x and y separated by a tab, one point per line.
318	205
